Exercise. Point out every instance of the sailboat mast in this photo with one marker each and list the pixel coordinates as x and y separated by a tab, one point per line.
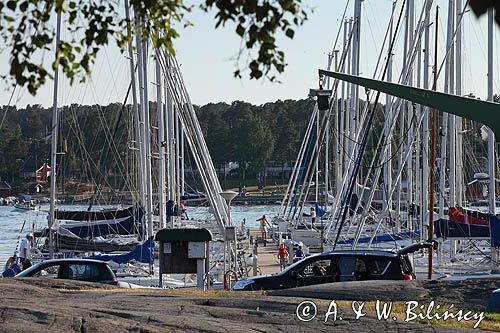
147	144
178	130
161	145
140	118
170	140
458	91
409	139
388	115
316	149
444	138
433	151
355	66
491	135
135	111
344	127
452	119
55	130
425	134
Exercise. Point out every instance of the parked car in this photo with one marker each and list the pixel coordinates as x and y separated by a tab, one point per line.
72	269
340	265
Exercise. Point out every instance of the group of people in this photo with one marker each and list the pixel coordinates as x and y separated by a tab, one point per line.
284	257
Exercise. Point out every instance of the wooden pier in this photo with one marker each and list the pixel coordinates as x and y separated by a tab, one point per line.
267	255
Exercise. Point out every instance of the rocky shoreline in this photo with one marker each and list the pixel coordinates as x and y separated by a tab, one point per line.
37	305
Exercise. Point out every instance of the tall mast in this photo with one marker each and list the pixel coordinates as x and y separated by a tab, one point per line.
182	184
135	111
444	138
402	126
161	145
388	116
356	35
355	63
171	180
425	134
178	130
147	144
491	135
338	127
452	118
409	139
316	167
349	130
53	155
433	152
140	118
458	91
327	146
344	118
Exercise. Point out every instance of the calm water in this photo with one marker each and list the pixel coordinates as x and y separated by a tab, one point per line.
12	220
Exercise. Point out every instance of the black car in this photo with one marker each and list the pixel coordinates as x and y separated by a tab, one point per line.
72	269
341	265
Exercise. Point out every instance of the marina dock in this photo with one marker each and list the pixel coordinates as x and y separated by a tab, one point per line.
267	254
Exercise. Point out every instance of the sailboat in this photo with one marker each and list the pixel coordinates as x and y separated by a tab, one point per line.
97	233
471	227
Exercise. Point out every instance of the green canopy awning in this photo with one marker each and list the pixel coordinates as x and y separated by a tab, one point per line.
487	113
183	235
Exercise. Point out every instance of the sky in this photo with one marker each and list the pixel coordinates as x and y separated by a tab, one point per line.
207	55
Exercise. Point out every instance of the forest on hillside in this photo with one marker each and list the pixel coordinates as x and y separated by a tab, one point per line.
96	143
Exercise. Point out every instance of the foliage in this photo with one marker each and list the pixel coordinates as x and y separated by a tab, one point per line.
27	30
257	23
480	7
249	134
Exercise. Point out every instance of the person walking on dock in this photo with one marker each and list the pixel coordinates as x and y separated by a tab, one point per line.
283	256
263	226
299	254
25	251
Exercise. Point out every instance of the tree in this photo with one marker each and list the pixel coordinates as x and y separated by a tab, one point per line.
254	141
480	7
27	32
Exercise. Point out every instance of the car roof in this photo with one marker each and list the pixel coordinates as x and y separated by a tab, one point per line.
379	253
59	261
71	261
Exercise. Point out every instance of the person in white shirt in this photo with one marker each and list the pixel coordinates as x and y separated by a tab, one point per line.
313	215
25	251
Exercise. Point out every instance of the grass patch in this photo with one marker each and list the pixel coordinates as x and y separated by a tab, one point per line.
490	322
176	292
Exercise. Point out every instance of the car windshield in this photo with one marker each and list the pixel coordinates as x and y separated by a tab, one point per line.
28	272
298	263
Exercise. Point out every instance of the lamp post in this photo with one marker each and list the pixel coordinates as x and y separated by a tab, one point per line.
228	196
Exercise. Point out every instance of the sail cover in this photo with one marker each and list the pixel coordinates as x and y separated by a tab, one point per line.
495	230
125	226
385	238
444	228
79	215
143	253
